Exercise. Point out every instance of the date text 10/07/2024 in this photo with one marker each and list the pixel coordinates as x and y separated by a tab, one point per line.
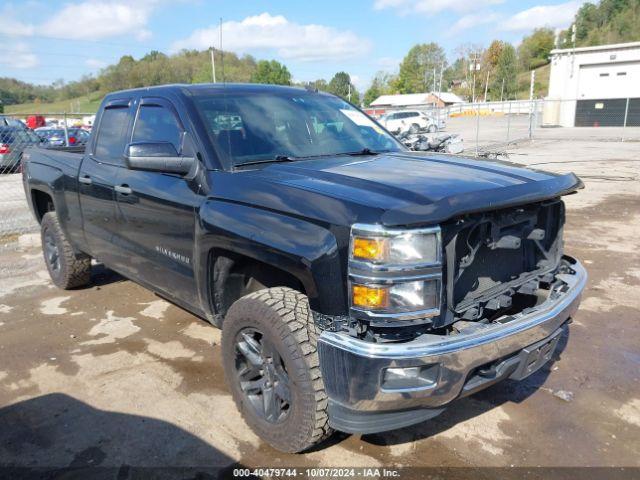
317	472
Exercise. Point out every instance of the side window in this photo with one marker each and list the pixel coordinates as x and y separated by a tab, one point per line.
157	124
112	135
412	114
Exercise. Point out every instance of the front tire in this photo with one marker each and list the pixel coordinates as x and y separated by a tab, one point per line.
432	129
271	364
66	268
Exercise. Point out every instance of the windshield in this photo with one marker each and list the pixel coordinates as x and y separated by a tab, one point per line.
254	127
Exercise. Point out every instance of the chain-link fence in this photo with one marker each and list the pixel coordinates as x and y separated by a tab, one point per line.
18	132
492	126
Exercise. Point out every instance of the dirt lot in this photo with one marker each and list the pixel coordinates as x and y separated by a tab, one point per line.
112	375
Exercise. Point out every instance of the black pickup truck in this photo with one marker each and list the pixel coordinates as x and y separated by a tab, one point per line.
359	286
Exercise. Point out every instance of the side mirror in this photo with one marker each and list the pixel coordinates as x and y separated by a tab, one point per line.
157	157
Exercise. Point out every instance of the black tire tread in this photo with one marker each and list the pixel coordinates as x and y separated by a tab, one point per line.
294	318
75	268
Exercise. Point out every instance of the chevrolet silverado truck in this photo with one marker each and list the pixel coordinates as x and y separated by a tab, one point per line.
360	287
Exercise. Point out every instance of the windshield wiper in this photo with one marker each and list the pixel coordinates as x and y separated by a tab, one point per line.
277	158
363	152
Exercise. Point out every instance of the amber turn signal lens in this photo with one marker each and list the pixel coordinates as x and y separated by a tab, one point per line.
369	248
370	297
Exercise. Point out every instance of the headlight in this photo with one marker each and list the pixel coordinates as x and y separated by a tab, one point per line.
399	297
394	274
401	248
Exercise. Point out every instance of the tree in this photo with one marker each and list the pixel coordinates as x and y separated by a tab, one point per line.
418	66
535	48
488	64
271	72
341	85
610	21
463	75
380	85
321	85
506	71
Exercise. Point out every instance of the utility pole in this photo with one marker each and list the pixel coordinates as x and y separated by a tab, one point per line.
533	79
213	64
573	47
440	91
486	85
474	68
433	92
502	89
221	51
349	92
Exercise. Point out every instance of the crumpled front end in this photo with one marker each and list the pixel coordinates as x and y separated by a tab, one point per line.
380	386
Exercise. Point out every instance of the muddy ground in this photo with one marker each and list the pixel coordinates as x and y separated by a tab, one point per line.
112	375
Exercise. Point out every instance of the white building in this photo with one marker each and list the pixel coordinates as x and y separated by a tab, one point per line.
427	99
591	86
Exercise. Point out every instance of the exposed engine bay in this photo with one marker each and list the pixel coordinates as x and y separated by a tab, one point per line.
500	262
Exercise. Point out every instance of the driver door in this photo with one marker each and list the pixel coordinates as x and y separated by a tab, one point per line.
156	212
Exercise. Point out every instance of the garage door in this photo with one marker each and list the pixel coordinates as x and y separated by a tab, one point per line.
609	80
607	112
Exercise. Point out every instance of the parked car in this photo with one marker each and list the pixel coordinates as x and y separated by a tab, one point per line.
413	120
55	137
7	121
13	141
35	121
359	286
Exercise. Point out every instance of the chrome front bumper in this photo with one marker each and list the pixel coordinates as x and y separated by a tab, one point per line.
353	369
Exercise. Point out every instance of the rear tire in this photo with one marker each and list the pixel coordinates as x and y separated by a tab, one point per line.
414	128
269	354
66	268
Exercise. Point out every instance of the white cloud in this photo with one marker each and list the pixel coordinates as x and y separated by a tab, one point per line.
431	7
88	20
13	28
472	20
20	56
290	40
98	20
559	15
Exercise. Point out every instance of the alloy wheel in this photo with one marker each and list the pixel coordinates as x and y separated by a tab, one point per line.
51	252
262	376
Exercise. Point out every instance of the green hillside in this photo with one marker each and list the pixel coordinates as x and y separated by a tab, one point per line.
84	104
540	87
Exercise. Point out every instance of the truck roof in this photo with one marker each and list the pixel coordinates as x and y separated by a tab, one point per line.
200	88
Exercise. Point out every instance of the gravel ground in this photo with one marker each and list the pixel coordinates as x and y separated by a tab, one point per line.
111	375
15	216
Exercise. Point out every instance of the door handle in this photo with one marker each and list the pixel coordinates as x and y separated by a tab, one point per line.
123	189
86	179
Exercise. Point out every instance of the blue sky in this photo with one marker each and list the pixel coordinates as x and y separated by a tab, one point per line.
44	41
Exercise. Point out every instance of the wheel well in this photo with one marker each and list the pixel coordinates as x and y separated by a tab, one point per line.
42	203
233	276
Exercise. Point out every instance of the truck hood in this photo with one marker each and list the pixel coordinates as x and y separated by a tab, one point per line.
403	188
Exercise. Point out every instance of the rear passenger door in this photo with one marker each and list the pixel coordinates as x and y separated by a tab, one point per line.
99	173
156	211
